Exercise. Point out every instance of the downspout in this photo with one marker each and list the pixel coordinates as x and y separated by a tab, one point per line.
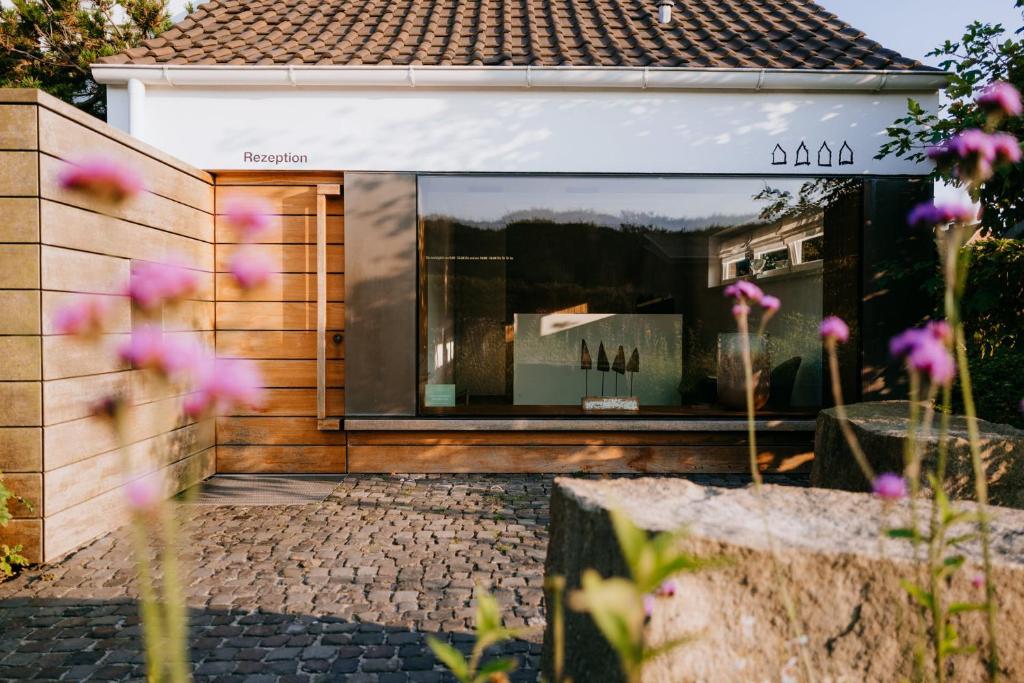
136	108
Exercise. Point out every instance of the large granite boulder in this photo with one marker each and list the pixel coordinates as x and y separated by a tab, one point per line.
881	428
845	579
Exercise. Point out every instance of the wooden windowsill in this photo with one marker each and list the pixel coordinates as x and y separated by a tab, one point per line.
603	424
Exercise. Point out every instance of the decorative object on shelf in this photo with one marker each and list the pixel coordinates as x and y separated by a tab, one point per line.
629	404
633	367
731	380
586	363
602	364
619	366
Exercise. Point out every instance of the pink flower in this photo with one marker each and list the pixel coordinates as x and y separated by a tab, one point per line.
148	347
927	350
84	317
153	284
101	178
1007	148
932	357
834	329
668	588
224	384
978	581
940	330
143	495
740	310
742	289
1000	98
251	268
249	216
930	215
889	487
648	605
770	303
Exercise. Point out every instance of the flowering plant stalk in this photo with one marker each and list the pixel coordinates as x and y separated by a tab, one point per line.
177	366
744	294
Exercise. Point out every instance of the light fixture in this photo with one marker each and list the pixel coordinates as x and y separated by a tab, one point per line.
665	11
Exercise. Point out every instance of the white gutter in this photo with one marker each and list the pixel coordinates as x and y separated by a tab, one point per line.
136	108
478	77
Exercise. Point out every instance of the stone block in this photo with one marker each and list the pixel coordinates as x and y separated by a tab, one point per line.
856	618
881	429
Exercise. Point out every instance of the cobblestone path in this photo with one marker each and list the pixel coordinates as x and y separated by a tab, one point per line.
344	590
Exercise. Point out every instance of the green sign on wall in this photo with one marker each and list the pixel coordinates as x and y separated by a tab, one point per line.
439	396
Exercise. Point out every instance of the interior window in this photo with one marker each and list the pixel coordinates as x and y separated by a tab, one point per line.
538	292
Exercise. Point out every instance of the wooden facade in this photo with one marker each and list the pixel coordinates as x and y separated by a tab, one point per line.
276	326
56	246
69	465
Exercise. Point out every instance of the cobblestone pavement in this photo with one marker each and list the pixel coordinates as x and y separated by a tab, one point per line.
344	590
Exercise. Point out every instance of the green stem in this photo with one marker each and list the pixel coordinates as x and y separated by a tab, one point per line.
981	492
174	601
152	620
788	603
844	421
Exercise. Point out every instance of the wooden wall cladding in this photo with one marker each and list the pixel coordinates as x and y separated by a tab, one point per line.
276	326
595	452
56	246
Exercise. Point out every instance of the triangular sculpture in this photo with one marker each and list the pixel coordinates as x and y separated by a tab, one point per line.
585	364
778	155
619	366
633	367
602	364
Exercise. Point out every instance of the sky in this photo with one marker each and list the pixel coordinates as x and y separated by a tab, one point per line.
915	27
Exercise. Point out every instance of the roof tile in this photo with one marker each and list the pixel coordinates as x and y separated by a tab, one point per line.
704	33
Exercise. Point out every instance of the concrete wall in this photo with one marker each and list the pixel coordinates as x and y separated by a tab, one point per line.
55	245
517	130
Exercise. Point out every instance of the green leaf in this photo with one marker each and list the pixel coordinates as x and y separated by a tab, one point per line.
920	596
900	533
960	607
451	658
616	606
495	666
631	539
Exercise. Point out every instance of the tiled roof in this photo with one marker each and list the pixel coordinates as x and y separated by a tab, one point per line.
783	34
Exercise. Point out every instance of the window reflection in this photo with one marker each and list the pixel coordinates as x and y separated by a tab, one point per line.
537	292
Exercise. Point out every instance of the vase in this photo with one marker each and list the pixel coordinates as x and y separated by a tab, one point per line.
731	378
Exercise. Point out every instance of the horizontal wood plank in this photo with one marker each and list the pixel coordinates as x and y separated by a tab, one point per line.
299	373
285	258
19	174
21	358
275	344
74	228
19	219
281	287
19	127
563	438
21	449
118	318
295	402
275	431
274	315
70	270
66	139
27	489
284	230
77	482
21	404
145	209
601	459
280	459
26	534
19	266
20	309
281	199
277	177
70	528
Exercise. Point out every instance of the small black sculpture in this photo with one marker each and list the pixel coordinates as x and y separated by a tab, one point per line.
633	367
585	364
602	364
619	366
803	156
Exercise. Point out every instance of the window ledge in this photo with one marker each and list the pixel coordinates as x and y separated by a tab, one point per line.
604	424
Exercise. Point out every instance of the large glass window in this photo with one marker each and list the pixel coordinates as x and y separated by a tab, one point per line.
537	292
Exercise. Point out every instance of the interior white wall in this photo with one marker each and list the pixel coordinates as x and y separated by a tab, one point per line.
576	131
